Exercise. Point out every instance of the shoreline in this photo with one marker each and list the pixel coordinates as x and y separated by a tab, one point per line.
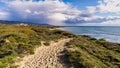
93	35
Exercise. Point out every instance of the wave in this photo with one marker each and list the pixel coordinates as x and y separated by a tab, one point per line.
111	34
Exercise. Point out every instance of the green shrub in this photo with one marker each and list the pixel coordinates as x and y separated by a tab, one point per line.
2	65
74	59
93	39
25	48
47	43
12	35
90	54
9	60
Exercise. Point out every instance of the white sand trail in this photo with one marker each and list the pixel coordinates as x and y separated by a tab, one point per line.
46	56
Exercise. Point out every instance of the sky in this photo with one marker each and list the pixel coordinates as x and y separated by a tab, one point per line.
62	12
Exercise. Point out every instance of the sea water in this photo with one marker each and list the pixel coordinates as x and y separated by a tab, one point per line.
110	33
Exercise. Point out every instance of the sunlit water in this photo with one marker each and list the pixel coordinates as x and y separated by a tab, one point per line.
110	33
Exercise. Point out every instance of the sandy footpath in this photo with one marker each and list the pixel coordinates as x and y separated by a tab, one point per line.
46	56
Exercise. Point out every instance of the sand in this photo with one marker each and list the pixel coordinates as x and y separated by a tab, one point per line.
47	56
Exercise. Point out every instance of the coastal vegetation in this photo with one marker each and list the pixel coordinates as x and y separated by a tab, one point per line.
82	51
18	40
87	52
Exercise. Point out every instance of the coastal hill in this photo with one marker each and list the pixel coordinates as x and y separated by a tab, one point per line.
33	46
20	22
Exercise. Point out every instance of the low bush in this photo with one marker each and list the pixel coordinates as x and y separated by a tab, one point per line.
47	43
90	53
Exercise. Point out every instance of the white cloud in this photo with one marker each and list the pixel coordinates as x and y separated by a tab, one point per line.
109	6
3	15
59	17
91	9
47	11
28	11
105	23
112	22
59	13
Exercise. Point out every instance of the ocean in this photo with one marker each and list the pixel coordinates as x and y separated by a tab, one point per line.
109	33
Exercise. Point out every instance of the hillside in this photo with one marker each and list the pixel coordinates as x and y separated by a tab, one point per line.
19	40
20	43
19	22
87	52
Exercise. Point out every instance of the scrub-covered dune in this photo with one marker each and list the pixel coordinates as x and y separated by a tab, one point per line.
31	46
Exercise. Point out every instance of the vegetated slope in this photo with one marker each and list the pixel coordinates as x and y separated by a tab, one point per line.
47	56
19	40
86	52
82	52
20	22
